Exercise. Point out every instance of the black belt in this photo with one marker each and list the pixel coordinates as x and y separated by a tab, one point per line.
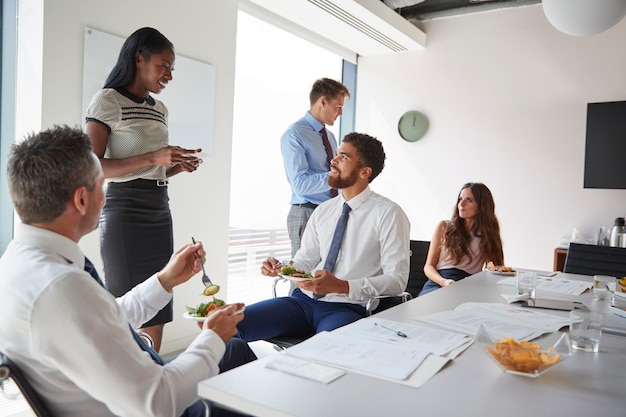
307	205
139	183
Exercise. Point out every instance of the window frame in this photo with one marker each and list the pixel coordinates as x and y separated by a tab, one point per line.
8	60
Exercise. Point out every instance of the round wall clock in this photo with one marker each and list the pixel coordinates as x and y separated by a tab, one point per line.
412	126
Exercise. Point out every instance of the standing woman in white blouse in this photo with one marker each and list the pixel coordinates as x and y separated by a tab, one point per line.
128	129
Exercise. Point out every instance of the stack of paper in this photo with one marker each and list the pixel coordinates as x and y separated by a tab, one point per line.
383	348
554	285
435	341
504	320
394	362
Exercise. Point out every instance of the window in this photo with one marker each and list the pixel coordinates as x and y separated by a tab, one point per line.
8	58
274	74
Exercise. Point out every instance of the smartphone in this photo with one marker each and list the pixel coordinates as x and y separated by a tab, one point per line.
554	304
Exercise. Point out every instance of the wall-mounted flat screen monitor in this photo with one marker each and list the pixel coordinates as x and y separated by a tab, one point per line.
605	148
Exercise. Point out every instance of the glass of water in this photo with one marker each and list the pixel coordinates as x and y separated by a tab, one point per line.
604	288
585	330
527	284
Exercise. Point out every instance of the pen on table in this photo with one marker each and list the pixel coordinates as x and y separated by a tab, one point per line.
399	333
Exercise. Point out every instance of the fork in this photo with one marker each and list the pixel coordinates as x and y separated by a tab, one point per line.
205	278
279	264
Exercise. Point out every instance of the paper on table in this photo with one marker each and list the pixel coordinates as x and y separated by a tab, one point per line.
431	365
512	298
619	311
517	315
300	367
305	369
555	285
468	323
436	341
524	323
373	357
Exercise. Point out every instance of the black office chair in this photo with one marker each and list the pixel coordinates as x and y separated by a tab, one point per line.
595	260
417	279
9	370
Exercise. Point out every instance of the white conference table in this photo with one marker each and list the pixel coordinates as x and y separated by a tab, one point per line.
586	384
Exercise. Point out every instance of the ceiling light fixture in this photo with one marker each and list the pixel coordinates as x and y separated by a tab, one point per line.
584	17
397	4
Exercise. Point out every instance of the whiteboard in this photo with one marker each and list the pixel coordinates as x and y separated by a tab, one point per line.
189	97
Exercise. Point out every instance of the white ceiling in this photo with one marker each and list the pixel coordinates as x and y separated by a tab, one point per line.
366	27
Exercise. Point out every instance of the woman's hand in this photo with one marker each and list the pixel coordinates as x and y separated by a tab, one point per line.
190	166
447	282
169	156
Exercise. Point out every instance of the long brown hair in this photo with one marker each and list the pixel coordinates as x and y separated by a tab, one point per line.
457	239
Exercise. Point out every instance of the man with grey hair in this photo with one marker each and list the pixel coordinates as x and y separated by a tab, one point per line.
70	336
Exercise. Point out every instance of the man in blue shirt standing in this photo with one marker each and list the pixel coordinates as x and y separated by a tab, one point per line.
307	149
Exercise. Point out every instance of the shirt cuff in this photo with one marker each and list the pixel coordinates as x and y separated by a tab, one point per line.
155	291
210	341
355	291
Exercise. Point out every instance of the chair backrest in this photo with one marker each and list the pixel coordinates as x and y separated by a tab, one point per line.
9	370
417	278
595	260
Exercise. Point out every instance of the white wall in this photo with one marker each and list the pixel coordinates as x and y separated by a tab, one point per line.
506	97
205	30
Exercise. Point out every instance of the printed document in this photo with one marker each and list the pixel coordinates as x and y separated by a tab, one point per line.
503	320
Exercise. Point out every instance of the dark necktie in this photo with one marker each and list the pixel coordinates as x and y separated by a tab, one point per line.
92	271
329	155
155	356
144	346
333	252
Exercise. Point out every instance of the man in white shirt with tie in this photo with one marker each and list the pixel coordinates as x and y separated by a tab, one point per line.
68	335
373	258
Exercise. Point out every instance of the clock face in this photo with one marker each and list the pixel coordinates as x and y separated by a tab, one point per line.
412	126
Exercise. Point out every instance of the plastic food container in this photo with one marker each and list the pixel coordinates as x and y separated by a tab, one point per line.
523	358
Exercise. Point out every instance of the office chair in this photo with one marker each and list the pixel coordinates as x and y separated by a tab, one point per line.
9	370
595	260
417	279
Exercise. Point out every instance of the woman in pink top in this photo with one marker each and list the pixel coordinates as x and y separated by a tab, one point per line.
462	245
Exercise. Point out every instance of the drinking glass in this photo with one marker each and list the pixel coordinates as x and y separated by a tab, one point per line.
585	330
526	284
604	288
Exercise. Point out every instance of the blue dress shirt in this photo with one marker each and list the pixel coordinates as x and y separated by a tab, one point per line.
305	160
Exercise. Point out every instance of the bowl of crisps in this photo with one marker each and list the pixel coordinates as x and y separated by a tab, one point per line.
523	358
